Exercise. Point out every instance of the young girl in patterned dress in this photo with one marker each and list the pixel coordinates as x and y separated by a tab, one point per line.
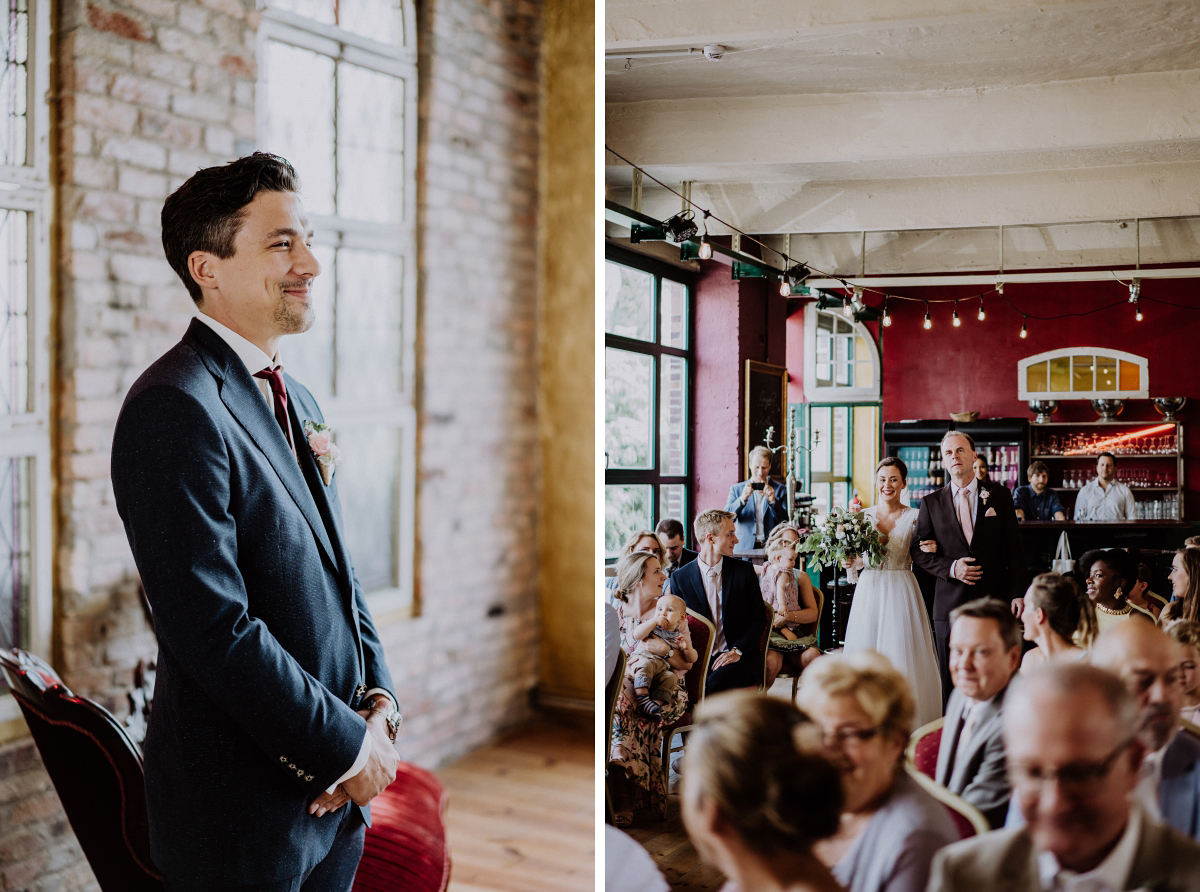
779	589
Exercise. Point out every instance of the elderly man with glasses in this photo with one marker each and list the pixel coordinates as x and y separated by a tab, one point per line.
1074	760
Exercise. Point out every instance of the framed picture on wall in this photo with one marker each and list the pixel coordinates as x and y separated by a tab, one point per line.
764	408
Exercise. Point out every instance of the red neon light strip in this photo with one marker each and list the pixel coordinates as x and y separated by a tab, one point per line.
1113	441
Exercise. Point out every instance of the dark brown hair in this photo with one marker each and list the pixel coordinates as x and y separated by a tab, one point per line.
893	462
1060	599
206	212
992	608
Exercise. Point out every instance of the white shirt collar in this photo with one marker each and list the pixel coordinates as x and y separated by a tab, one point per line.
249	353
972	487
716	566
1113	871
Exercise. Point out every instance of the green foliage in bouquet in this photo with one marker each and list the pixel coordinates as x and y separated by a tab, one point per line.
843	535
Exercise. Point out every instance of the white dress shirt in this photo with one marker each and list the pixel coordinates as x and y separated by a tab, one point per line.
712	591
256	360
1094	502
1110	875
1145	793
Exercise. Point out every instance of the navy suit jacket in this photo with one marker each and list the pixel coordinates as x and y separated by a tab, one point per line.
741	603
743	513
1179	792
265	641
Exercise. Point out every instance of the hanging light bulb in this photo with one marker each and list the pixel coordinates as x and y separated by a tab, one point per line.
954	320
795	275
887	317
981	308
1137	306
785	287
1024	330
928	323
705	252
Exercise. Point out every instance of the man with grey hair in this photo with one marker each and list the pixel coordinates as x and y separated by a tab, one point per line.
978	550
1074	761
1147	660
757	504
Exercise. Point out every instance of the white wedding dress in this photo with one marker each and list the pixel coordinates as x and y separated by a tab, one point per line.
888	615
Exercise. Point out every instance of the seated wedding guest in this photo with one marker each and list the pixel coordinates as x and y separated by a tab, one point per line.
635	775
1187	635
1074	765
612	639
890	826
1036	500
643	541
1185	587
1104	498
758	504
725	590
756	798
1140	595
1054	611
670	534
1109	574
790	642
1147	661
985	648
628	867
980	468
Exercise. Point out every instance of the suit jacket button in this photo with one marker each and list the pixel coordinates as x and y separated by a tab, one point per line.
308	777
283	758
293	767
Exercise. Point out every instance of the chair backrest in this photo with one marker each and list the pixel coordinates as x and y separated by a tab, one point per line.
612	690
703	634
96	769
1190	727
811	628
923	745
766	644
967	818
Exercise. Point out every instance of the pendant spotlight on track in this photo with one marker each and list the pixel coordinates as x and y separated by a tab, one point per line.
681	227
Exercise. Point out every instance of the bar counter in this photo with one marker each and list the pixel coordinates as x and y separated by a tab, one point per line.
1040	537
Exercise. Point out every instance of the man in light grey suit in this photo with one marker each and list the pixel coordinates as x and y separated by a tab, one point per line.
1147	661
1075	762
985	650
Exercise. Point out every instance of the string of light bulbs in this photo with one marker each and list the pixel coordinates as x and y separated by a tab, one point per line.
796	271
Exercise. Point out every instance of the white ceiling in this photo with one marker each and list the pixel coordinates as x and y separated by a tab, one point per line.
907	114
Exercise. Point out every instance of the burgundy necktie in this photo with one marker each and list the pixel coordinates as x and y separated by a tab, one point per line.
275	377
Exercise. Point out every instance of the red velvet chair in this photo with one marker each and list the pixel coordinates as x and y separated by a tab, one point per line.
968	820
405	848
923	745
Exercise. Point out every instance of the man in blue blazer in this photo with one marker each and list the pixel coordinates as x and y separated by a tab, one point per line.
757	504
273	705
725	590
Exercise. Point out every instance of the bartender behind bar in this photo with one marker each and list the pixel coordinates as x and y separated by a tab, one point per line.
1035	500
1104	499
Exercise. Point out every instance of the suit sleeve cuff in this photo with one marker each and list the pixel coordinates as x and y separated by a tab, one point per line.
364	753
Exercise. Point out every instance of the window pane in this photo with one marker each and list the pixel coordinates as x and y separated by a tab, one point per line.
822	494
672	502
318	10
862	374
377	19
370	130
628	302
1082	378
841	441
302	132
822	425
308	357
1060	374
14	86
1035	378
628	379
15	544
1106	373
673	416
368	323
1130	376
841	496
626	510
14	305
368	487
673	324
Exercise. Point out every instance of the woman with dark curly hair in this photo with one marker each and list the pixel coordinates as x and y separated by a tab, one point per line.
1109	574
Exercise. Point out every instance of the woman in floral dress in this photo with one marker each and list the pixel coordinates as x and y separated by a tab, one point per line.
635	771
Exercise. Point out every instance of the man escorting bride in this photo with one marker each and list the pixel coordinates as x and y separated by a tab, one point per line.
888	614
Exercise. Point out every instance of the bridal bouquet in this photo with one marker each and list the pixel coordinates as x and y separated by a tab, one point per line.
844	535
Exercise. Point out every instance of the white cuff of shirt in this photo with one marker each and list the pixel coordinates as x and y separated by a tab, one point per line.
364	751
953	567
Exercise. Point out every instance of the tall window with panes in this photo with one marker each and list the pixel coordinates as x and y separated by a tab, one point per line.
337	98
647	398
25	203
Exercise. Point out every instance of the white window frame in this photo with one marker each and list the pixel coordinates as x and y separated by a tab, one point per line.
834	394
28	188
398	240
1143	392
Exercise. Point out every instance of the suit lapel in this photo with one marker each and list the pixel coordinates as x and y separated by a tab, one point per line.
1177	795
989	715
245	402
316	486
980	504
949	743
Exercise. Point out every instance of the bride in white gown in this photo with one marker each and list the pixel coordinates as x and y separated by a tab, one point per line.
888	614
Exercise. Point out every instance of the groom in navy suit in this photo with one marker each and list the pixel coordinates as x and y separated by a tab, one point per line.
273	705
979	552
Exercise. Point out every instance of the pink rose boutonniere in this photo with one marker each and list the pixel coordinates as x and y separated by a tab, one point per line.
320	441
983	494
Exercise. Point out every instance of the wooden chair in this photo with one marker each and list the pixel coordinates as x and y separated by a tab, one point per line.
765	646
967	818
805	629
923	745
703	635
612	689
96	769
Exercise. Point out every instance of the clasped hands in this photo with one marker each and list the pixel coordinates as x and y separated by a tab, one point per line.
380	769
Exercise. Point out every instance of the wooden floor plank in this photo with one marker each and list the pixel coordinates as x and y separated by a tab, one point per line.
521	815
